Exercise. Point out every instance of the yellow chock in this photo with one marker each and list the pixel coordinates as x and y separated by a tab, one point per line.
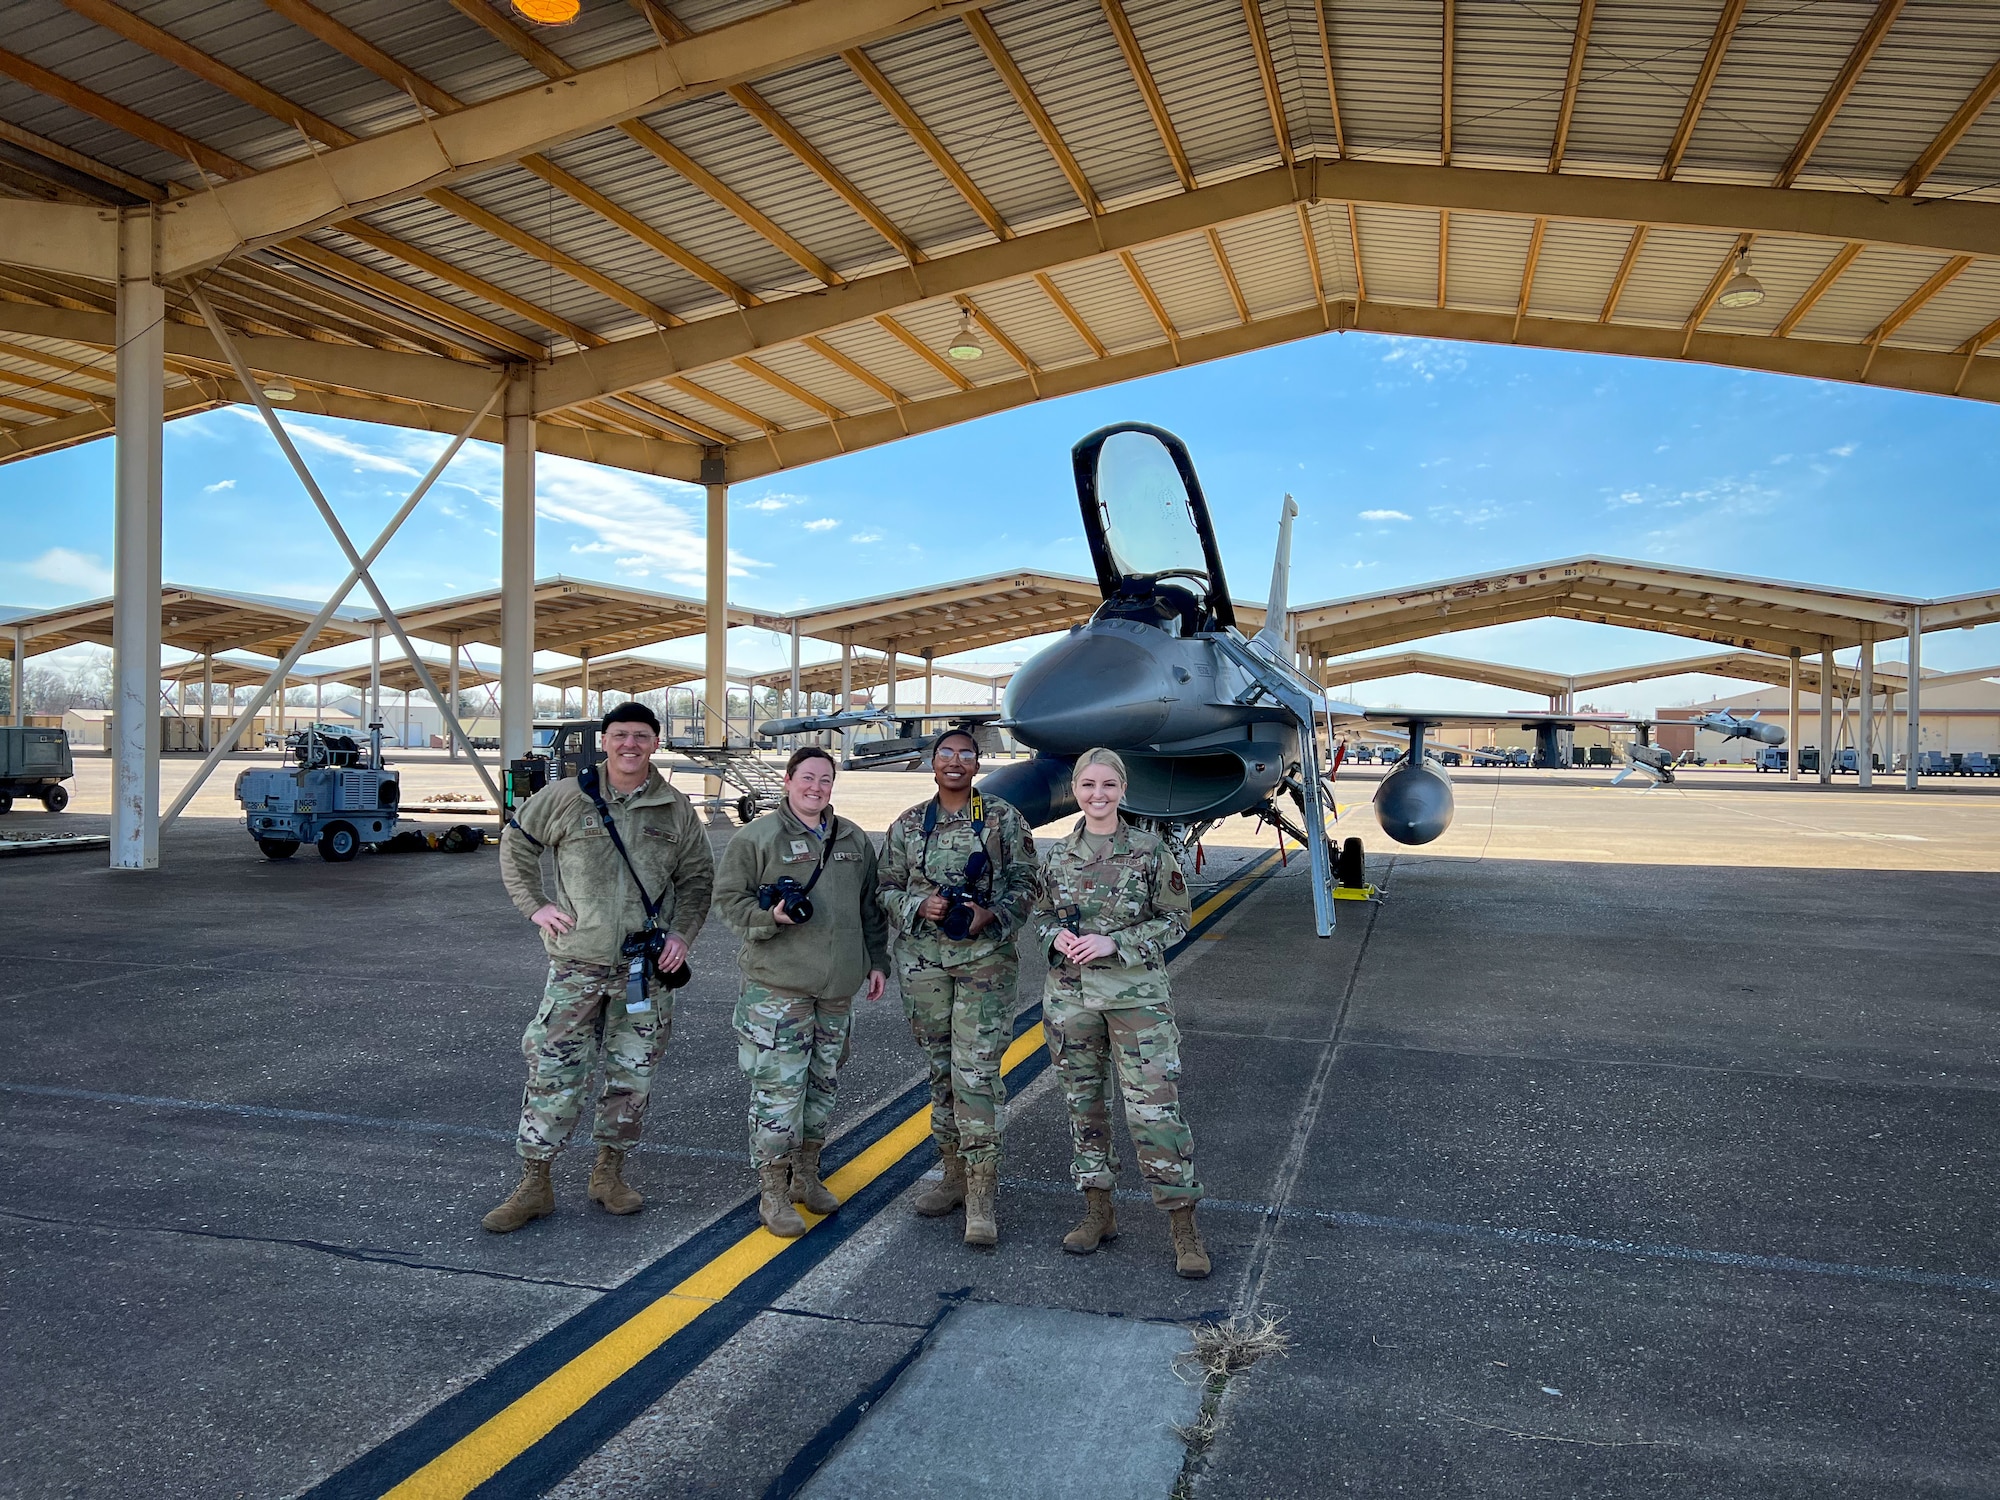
1354	893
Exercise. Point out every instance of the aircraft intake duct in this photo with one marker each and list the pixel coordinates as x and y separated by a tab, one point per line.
1038	789
1414	802
1101	686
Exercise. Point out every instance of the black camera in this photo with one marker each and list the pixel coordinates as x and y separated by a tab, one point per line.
644	950
787	896
956	923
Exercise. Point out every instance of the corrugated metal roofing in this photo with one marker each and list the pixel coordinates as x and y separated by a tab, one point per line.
1506	89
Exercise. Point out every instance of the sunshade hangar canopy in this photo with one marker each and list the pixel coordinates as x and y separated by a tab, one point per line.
747	232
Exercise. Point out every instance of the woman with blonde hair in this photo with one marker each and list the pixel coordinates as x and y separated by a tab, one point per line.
1113	901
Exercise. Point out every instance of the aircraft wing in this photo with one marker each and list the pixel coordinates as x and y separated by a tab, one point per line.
1405	717
815	723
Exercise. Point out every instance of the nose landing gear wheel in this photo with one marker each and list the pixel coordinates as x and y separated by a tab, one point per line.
1350	866
339	844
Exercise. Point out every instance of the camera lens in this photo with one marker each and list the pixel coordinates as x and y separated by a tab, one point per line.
799	908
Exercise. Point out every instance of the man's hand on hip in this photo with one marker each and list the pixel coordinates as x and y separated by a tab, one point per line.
553	920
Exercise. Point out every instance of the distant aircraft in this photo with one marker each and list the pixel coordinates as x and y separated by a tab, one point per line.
1726	724
906	739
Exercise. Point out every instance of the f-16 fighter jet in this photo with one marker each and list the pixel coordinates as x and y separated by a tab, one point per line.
1210	722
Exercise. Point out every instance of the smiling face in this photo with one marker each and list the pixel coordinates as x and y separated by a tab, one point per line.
1099	790
954	763
628	752
808	788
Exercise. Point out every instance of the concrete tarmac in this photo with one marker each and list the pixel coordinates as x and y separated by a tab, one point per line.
1633	1143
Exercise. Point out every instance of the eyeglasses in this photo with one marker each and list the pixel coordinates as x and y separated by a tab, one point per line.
959	755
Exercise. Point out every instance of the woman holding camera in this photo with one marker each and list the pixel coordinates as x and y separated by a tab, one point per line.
1113	900
798	886
958	879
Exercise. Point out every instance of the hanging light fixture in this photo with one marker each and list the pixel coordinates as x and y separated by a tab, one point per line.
277	388
548	12
1743	290
965	343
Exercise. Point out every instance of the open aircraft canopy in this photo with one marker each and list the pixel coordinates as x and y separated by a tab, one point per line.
749	231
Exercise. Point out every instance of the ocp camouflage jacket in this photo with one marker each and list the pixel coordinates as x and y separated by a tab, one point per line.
913	869
663	835
829	956
1135	894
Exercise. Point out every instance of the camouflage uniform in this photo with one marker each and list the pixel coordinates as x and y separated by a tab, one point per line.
959	996
797	1002
583	1013
1117	1012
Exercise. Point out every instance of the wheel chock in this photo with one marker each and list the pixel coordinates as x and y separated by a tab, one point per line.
1354	893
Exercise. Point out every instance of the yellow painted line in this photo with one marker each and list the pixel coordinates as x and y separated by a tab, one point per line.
505	1436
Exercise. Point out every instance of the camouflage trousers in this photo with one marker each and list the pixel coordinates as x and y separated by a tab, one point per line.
964	1019
582	1018
791	1049
1144	1046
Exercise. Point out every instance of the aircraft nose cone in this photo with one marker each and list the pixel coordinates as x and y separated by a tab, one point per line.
1096	688
1413	804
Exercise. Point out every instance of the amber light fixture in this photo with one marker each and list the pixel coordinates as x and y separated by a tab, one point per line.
549	12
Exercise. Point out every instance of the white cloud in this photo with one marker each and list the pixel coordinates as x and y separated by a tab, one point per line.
822	523
77	570
1845	450
1383	515
775	501
218	486
866	536
385	459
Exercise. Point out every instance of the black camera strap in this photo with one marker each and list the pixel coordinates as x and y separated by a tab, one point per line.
638	975
825	850
981	862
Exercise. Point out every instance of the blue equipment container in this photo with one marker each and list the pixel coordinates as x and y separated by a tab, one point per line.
339	796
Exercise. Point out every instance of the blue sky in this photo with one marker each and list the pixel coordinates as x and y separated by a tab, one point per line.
1411	460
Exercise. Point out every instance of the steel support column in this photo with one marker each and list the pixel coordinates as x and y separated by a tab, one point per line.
715	685
930	669
796	710
517	568
892	677
1913	710
137	465
1825	711
1792	722
1864	741
375	674
17	694
207	699
451	741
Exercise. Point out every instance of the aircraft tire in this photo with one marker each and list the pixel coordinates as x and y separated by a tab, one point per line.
278	848
1350	867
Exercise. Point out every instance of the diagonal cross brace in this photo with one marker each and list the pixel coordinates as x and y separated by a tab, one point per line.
358	571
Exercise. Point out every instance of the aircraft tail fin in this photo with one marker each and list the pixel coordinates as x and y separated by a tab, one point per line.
1275	610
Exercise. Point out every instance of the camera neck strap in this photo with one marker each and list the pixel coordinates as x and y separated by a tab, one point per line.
588	780
825	849
981	861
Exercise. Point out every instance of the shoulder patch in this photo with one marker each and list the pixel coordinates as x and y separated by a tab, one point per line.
1177	883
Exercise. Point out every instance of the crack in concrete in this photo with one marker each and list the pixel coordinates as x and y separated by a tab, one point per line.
368	1254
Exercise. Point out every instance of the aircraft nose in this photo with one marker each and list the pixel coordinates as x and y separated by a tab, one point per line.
1098	687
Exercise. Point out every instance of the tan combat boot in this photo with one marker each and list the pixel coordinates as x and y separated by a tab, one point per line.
774	1207
981	1180
608	1187
1190	1257
935	1202
1099	1224
806	1186
533	1198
